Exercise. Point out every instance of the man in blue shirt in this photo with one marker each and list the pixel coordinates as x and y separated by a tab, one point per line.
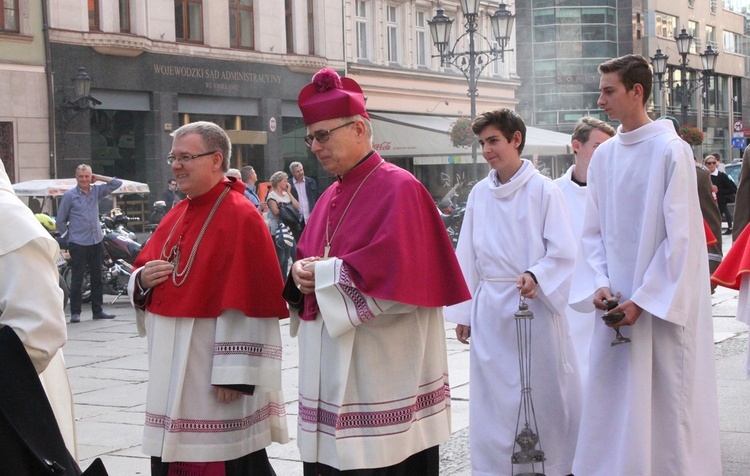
250	178
79	216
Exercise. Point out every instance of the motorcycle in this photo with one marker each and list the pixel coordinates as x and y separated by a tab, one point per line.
62	258
452	213
120	252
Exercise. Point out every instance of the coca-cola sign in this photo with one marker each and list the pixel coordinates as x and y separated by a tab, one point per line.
385	145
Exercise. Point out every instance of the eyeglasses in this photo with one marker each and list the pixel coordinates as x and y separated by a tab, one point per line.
710	163
184	158
323	136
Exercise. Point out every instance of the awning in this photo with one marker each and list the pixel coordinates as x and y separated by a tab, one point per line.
426	139
57	187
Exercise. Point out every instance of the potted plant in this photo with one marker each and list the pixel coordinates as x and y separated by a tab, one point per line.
460	132
692	135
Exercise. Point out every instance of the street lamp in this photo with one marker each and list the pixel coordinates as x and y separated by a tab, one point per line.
472	61
82	101
687	87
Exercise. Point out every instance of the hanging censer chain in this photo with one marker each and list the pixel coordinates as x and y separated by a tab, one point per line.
179	277
329	240
525	450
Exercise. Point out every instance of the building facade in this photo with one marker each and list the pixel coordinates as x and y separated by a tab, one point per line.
24	115
154	65
557	62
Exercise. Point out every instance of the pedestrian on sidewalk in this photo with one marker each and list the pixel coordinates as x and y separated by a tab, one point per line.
210	306
78	215
375	267
651	403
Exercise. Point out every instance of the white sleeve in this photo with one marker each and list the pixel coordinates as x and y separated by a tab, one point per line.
31	301
342	305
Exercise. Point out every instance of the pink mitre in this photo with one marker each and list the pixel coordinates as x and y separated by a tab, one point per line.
330	96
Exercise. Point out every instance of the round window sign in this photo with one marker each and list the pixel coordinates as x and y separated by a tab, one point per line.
272	124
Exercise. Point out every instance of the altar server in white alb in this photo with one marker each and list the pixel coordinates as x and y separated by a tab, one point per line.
588	134
650	406
375	269
516	241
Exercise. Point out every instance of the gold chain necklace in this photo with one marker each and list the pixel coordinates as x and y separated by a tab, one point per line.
329	240
174	253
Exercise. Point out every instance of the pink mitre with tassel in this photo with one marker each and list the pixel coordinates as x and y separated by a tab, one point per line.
330	96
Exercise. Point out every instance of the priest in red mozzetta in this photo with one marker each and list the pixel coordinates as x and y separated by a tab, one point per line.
207	291
375	268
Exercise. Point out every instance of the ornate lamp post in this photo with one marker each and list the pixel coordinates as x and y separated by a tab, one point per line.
687	87
472	61
82	101
72	106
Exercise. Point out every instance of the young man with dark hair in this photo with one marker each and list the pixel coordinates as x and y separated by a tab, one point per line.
650	405
516	242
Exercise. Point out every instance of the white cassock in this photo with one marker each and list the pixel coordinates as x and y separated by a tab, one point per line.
508	229
743	313
374	384
188	357
581	323
650	406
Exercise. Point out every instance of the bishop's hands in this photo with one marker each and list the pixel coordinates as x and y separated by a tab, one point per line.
303	274
630	309
154	273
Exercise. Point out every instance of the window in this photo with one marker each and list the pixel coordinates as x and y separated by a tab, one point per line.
665	25
711	36
124	16
241	34
9	17
360	19
289	25
94	15
733	43
421	37
6	149
392	33
692	29
310	27
712	6
188	16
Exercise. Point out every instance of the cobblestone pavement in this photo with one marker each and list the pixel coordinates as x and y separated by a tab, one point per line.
107	365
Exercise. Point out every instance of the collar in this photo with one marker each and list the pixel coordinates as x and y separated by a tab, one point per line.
362	168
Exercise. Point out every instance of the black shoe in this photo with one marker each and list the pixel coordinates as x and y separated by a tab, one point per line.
75	318
728	232
103	315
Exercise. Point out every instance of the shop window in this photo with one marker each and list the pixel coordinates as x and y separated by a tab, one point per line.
188	15
94	15
6	149
124	16
9	17
241	33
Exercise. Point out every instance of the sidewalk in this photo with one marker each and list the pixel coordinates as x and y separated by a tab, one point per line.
107	365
